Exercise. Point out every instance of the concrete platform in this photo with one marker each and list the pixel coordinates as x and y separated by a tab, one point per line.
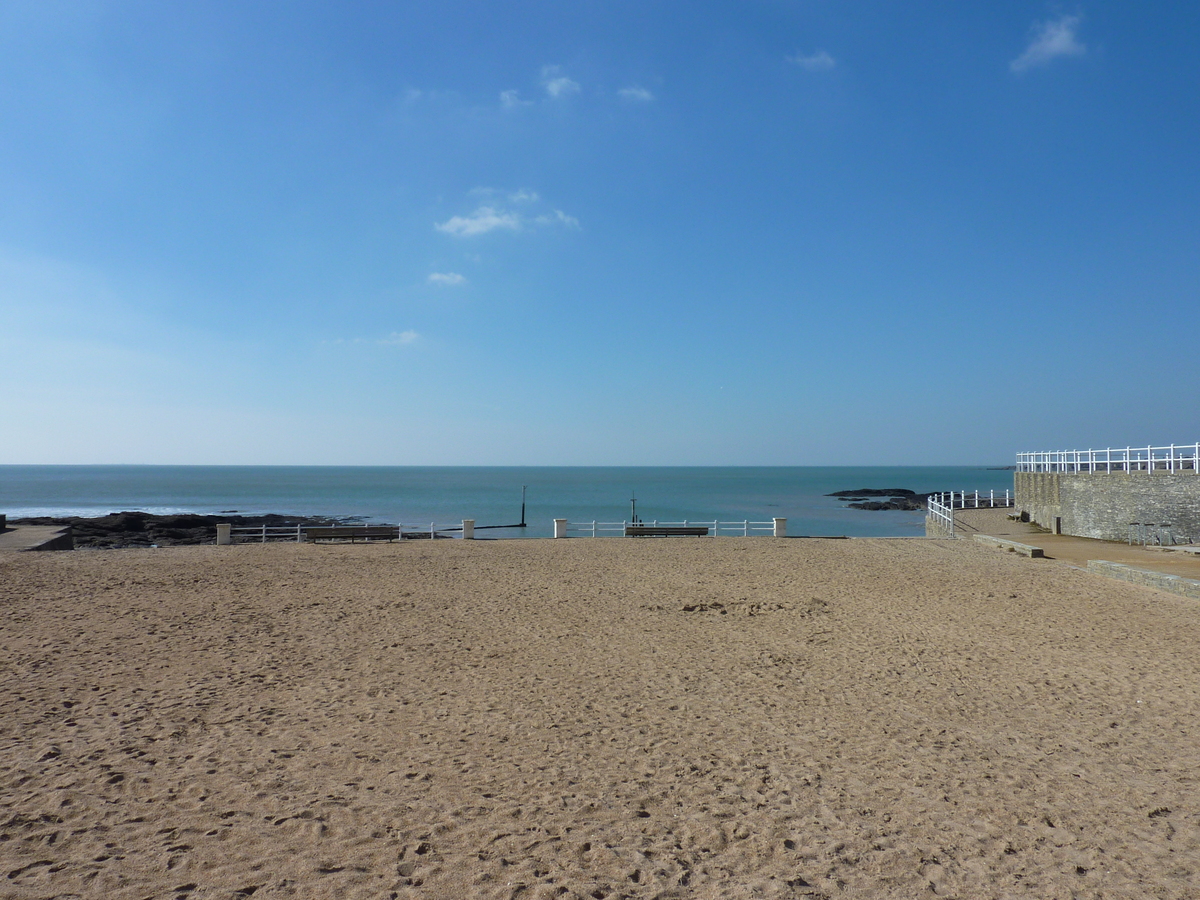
36	537
1079	551
1011	546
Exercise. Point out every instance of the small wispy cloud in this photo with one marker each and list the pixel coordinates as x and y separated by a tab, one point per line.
447	279
399	338
813	62
395	339
1050	40
481	221
558	217
557	84
512	99
635	94
512	211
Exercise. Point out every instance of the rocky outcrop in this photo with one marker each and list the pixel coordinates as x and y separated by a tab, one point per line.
139	529
897	498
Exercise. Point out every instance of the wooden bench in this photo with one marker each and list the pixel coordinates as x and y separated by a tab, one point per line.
666	531
351	533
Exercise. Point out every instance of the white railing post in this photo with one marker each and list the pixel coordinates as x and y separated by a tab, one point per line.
780	527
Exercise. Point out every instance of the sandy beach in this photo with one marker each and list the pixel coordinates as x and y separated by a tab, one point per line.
727	718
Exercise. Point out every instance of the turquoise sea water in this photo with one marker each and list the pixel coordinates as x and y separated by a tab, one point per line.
492	495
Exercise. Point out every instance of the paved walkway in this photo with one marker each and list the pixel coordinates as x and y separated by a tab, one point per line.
28	537
1076	551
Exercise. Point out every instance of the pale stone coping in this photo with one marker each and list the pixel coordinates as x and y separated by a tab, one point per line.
1013	546
1175	584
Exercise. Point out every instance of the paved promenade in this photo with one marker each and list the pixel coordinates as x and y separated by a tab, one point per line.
1076	551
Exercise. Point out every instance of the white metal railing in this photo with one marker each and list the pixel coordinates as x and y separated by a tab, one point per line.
940	506
1172	458
244	534
973	499
431	529
745	528
941	514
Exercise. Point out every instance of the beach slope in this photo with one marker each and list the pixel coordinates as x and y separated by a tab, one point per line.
726	718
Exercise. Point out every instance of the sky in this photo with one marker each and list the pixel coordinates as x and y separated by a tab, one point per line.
621	233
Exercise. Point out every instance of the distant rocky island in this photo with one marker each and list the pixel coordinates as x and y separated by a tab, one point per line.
897	498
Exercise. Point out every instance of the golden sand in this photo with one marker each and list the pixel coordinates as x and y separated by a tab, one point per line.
727	718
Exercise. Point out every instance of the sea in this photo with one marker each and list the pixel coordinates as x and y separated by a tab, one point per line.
499	499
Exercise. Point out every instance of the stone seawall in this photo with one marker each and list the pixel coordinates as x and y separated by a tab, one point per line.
1102	504
936	528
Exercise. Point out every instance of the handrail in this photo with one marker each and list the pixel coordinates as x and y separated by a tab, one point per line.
941	506
973	500
744	528
1171	458
941	513
241	534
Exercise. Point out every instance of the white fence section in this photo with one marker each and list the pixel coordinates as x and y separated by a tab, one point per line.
940	507
1172	458
245	534
973	499
431	530
744	528
942	515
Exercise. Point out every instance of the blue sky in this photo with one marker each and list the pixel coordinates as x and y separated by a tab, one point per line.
759	233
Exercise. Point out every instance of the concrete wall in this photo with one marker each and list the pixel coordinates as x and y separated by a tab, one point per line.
1102	504
936	528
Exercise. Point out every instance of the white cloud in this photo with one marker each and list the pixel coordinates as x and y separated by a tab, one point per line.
512	99
399	338
495	215
483	220
395	339
636	94
815	62
558	217
556	84
449	279
1050	41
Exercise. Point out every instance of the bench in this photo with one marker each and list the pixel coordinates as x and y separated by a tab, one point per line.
666	531
351	533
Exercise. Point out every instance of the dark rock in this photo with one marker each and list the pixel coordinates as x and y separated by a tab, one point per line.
916	502
139	529
875	492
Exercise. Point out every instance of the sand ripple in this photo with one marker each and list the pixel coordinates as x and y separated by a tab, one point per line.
593	719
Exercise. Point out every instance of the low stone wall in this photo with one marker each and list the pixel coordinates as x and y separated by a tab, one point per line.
1102	504
1011	546
936	528
1176	584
